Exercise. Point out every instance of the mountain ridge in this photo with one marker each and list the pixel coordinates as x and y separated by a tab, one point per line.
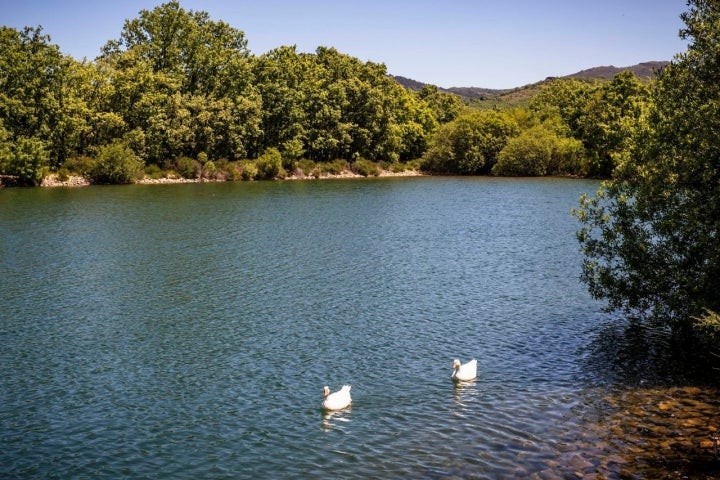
644	70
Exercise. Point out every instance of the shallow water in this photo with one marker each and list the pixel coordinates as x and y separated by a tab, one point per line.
187	331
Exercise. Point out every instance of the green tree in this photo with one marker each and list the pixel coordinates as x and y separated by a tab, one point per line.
413	123
542	147
609	120
470	144
445	107
283	81
34	93
565	98
75	133
651	236
95	121
186	82
208	57
540	151
339	108
5	147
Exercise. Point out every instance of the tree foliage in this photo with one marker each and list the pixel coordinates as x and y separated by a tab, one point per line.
186	81
540	151
204	56
651	236
564	98
604	116
609	119
445	108
470	144
32	77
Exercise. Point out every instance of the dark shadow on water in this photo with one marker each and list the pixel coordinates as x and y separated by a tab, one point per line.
625	353
651	406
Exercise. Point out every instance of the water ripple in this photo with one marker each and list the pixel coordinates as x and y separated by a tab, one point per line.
187	332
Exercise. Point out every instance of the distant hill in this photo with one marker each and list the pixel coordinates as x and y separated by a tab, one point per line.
409	83
644	71
474	93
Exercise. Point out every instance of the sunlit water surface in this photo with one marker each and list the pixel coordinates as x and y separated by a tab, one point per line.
187	331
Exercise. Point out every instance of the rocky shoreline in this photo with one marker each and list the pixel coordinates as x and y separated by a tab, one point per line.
78	181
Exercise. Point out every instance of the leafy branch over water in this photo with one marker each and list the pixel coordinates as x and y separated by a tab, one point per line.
651	236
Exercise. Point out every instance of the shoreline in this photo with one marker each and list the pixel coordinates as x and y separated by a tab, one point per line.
52	181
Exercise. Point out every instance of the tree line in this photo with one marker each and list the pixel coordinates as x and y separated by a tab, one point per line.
178	91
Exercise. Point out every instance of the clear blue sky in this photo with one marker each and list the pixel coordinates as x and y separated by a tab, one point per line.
450	43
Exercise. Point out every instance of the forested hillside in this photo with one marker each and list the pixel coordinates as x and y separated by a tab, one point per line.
179	93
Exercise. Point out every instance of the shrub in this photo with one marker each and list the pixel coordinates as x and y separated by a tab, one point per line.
210	171
366	168
526	155
63	174
187	167
293	150
80	165
572	157
233	170
116	163
269	165
154	172
398	167
308	167
470	144
27	160
248	170
540	151
336	167
415	164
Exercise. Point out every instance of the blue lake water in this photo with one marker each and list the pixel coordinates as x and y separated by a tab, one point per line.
187	331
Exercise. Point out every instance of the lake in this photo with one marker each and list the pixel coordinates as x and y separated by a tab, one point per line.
187	331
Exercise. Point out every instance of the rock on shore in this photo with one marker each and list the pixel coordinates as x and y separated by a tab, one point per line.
52	180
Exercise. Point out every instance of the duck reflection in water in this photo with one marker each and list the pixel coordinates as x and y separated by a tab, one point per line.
335	418
462	392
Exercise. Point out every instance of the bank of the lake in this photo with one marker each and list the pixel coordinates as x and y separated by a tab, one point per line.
53	180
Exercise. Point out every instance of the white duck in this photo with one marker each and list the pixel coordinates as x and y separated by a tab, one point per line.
464	371
337	400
